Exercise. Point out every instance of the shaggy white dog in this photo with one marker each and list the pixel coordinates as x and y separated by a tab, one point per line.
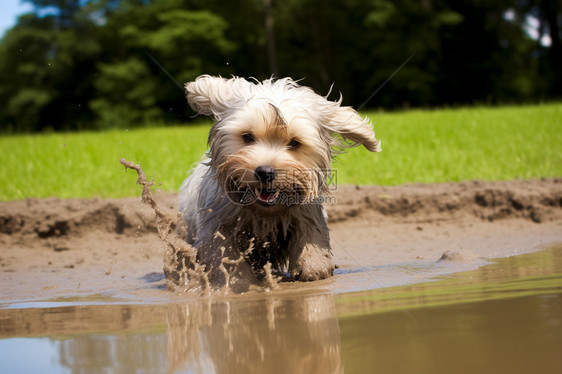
257	197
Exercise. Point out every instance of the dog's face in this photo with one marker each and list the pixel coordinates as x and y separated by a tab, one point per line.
272	143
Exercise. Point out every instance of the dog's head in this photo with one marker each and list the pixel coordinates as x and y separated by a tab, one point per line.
273	141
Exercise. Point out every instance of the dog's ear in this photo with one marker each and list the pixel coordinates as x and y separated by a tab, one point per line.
212	96
354	129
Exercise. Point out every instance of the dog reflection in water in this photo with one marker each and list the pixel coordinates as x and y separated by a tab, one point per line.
272	335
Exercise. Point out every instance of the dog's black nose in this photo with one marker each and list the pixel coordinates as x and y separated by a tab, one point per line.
265	174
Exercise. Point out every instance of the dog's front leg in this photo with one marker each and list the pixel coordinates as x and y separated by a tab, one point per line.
311	257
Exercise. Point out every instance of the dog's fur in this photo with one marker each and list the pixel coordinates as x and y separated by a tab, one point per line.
258	193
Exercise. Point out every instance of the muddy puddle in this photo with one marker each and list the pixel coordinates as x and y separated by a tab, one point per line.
503	317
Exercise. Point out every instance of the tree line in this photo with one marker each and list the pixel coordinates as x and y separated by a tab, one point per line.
96	64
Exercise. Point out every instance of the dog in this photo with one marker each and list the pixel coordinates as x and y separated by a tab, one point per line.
256	198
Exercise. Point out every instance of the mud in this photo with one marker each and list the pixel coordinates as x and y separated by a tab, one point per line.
68	248
534	200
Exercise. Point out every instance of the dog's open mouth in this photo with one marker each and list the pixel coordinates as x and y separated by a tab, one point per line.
266	196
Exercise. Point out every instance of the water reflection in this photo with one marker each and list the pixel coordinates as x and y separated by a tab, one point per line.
114	353
530	274
513	335
505	317
267	334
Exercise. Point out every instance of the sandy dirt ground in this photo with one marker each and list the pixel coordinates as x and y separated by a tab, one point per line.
96	249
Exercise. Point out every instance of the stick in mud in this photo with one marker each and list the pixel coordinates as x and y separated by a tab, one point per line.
180	259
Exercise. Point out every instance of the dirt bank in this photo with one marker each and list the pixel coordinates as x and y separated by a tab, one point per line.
102	244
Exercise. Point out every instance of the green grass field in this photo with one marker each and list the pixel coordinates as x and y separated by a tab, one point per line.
418	146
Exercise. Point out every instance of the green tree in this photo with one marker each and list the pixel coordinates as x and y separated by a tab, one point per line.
45	70
125	95
73	64
135	38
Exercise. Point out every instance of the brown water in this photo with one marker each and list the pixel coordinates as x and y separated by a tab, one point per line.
505	317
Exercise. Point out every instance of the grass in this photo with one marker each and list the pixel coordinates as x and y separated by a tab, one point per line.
461	144
87	164
418	146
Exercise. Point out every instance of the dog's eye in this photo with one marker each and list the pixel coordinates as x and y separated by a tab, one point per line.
248	138
294	144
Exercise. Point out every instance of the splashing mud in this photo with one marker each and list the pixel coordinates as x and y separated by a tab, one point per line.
181	266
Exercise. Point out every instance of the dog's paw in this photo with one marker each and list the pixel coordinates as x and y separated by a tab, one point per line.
312	265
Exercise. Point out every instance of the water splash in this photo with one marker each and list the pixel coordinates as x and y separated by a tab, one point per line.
183	271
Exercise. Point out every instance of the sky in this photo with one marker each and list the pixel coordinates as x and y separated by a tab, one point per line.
9	10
